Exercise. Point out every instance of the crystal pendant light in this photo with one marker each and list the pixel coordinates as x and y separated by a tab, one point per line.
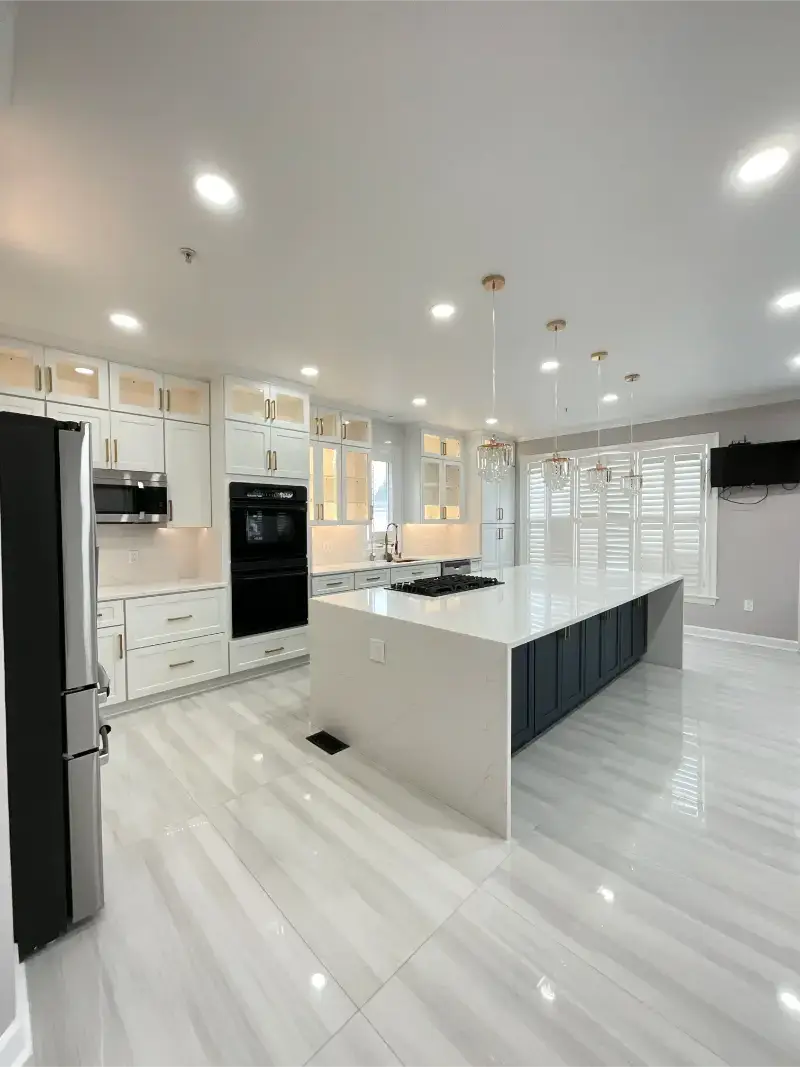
599	477
556	469
632	481
495	458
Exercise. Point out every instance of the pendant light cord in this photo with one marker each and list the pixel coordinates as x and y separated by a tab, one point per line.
599	387
494	357
555	387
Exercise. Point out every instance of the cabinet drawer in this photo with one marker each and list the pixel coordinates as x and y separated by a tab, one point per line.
332	583
412	572
110	613
162	667
155	620
365	579
111	656
252	652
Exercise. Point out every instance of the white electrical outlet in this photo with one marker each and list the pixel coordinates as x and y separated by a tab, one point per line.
133	556
748	605
377	650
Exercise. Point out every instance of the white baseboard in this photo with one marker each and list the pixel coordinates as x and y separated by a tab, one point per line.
742	639
15	1044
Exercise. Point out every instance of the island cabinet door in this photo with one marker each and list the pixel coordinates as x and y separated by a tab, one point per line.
521	708
639	627
625	622
609	645
592	673
543	682
570	667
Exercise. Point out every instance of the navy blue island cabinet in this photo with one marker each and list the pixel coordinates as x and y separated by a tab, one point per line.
554	674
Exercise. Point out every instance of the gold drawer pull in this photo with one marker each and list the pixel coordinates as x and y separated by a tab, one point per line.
274	651
183	663
180	618
121	649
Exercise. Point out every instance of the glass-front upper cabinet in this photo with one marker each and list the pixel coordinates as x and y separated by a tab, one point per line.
355	485
246	401
290	409
356	430
324	480
185	399
134	389
431	490
21	368
451	490
73	379
437	444
325	425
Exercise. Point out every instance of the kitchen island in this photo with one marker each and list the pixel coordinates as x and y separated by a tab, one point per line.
440	691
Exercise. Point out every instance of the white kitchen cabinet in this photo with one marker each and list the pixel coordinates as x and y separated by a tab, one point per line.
247	449
326	425
434	484
434	443
497	545
74	379
185	399
22	405
21	370
99	428
156	620
137	442
356	480
289	454
111	656
248	653
325	483
246	401
136	390
110	613
356	430
373	579
158	668
324	584
498	500
289	408
412	572
187	457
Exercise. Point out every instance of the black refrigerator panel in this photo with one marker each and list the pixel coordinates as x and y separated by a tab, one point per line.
30	533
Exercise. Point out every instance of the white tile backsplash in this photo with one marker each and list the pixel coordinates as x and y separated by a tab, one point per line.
350	544
162	554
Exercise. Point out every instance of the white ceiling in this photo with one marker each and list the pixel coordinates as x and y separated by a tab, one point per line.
390	154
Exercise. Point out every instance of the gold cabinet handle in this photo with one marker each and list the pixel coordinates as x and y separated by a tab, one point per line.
121	649
168	400
180	618
108	451
183	663
274	651
116	450
49	379
267	410
38	378
274	410
274	460
160	398
344	431
444	509
169	510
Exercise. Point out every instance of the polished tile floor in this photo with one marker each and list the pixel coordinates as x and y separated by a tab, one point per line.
270	904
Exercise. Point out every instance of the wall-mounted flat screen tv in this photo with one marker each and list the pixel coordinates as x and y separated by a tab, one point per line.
775	463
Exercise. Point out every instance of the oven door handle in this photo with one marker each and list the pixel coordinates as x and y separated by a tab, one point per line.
269	574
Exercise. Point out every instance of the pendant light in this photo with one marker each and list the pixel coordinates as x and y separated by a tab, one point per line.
598	477
495	457
632	481
556	469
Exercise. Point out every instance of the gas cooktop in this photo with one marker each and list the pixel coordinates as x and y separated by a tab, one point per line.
448	583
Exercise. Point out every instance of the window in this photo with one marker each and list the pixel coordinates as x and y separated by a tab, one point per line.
381	495
671	525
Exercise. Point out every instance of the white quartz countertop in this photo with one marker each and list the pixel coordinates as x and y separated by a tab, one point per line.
380	564
533	601
181	585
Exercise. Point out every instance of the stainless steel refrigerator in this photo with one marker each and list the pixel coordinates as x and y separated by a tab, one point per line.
56	739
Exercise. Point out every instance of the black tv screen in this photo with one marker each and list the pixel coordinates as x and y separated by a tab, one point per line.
775	463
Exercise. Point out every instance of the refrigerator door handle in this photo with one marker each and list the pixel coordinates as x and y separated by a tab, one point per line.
103	684
105	730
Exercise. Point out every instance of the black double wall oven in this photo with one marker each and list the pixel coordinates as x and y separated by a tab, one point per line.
269	557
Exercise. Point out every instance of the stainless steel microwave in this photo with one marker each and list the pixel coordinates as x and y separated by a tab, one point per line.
130	496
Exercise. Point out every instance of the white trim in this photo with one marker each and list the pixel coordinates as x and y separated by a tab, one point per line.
15	1044
697	598
742	639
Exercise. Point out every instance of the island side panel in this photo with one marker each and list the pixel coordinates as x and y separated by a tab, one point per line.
436	714
665	626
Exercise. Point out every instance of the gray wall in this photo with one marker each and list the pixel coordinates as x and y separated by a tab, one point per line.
758	547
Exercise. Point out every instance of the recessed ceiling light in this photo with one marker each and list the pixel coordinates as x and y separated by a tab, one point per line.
419	401
84	370
789	301
443	311
387	442
763	165
610	398
215	190
123	320
309	372
794	362
550	364
789	999
491	422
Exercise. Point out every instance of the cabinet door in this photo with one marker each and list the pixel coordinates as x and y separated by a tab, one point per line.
326	425
625	637
290	409
73	379
639	627
431	490
506	546
22	405
324	483
356	497
356	430
247	449
99	428
452	487
609	645
592	672
521	709
136	390
111	656
543	681
21	369
246	401
570	667
137	442
452	447
490	545
490	501
188	462
431	443
185	399
507	498
290	454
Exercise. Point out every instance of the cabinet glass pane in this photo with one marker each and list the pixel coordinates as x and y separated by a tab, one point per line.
18	369
186	400
356	430
73	377
329	424
431	473
246	400
289	408
452	447
432	444
452	490
330	484
138	391
357	486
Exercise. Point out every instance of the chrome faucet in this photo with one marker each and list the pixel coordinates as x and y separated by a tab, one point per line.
387	555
